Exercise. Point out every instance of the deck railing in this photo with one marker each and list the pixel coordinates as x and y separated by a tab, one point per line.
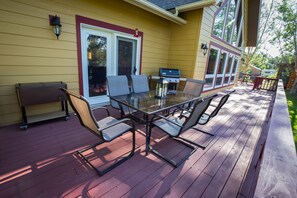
278	165
269	84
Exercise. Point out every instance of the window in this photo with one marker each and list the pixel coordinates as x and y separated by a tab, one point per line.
228	23
221	69
211	68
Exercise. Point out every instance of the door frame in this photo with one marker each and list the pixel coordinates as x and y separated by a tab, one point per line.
107	27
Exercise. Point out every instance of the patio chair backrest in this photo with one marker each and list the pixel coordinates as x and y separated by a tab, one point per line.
117	85
221	104
140	83
199	108
193	87
83	111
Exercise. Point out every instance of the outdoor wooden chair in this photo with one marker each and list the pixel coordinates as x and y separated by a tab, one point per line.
174	127
107	129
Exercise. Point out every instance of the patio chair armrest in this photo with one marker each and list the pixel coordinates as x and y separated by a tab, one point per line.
162	117
118	122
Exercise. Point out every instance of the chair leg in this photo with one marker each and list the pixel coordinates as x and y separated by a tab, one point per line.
201	146
102	172
173	163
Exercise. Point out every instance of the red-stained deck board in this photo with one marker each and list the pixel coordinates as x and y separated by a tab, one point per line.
41	162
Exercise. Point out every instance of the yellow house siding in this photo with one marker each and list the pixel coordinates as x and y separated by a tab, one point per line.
30	52
184	42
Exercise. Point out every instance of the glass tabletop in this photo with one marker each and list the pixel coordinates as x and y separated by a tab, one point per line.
148	104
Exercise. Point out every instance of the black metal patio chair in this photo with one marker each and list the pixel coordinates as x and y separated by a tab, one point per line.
106	130
117	86
213	109
174	127
140	83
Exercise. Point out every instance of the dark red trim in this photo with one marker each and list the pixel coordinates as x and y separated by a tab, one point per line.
101	24
211	43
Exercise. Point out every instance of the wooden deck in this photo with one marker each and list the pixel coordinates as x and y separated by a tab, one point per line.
41	161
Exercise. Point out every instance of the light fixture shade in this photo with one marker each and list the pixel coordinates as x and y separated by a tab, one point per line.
55	22
204	48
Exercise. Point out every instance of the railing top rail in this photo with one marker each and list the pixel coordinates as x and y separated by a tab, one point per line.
278	171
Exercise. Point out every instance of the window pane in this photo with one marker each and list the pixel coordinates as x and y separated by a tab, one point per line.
240	39
219	81
219	22
212	61
232	79
236	25
222	62
208	83
97	58
226	80
229	64
235	64
230	20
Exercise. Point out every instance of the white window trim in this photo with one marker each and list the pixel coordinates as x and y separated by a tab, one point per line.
223	74
213	76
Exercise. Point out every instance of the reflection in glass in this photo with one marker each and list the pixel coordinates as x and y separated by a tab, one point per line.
235	64
222	62
219	22
237	25
208	83
212	61
126	56
226	80
96	54
219	81
229	63
230	20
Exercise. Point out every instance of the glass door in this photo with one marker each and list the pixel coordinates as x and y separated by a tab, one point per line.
96	59
126	56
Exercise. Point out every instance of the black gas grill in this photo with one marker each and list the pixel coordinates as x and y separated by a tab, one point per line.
172	76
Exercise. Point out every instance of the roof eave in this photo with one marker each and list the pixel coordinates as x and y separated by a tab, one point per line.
253	22
150	7
195	5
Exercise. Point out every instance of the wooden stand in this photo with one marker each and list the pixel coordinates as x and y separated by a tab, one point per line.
41	93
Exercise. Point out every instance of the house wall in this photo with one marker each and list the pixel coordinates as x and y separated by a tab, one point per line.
206	37
30	52
184	43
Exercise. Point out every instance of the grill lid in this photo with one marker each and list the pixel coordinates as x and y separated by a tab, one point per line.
166	72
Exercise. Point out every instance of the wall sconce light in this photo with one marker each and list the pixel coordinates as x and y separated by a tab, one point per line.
55	22
219	3
204	48
136	33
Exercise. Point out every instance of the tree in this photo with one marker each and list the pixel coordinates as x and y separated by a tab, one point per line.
285	23
265	30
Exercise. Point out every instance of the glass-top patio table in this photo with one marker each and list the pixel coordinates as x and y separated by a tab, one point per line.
147	104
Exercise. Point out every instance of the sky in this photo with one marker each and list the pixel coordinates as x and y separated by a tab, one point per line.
268	47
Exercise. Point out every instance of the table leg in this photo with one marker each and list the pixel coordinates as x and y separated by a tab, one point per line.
147	138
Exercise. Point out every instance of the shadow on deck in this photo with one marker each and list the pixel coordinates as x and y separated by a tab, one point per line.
41	161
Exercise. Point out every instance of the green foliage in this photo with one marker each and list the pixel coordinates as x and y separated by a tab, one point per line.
292	105
285	24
